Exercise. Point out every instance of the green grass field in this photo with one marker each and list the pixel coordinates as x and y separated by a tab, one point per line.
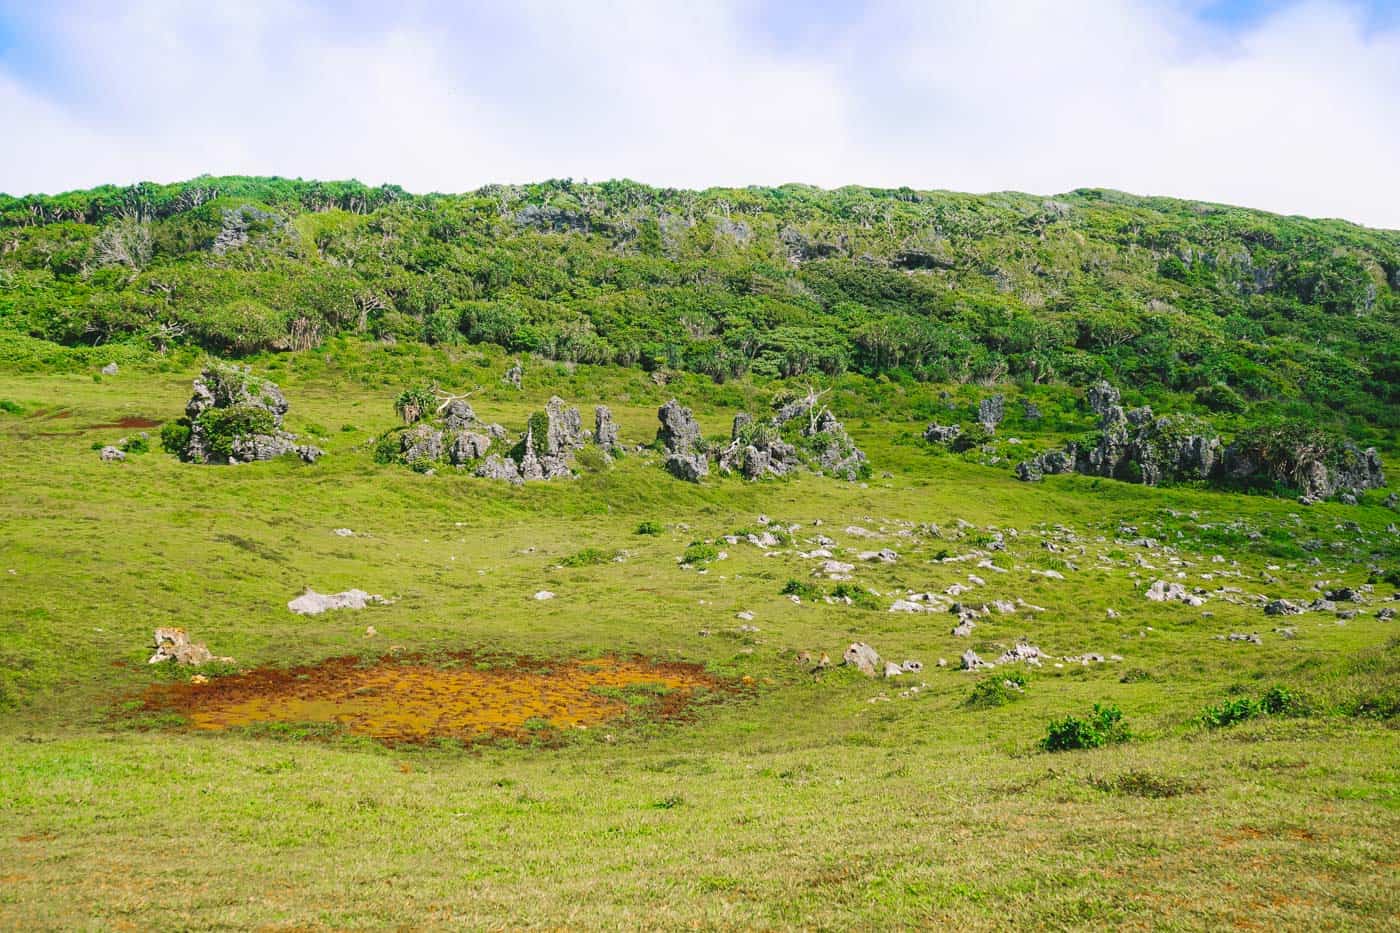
801	800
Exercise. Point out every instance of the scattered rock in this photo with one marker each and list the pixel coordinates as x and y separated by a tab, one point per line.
862	657
991	411
172	644
1030	654
514	375
312	603
1281	607
605	433
971	662
112	454
941	433
111	369
1252	637
543	595
892	669
912	667
1162	591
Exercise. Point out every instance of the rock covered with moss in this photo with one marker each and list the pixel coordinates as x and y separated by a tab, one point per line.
234	417
1138	446
800	434
451	435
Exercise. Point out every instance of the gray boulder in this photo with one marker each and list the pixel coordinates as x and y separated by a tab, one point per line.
679	431
942	434
565	432
514	375
112	454
457	415
501	468
468	446
691	467
863	658
991	411
421	442
604	428
1102	397
111	369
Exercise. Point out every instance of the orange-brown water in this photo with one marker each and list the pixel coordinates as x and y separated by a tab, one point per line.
412	700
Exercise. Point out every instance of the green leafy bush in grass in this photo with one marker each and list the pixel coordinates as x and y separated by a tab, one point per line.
699	552
588	557
801	588
1104	726
997	690
175	436
650	528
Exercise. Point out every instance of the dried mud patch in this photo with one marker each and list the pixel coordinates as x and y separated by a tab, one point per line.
462	697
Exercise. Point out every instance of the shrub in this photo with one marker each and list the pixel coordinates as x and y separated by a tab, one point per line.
858	595
588	557
801	588
997	690
1103	727
1144	784
1278	701
699	552
1220	397
136	444
650	528
386	449
175	436
1230	712
9	407
593	459
415	403
222	426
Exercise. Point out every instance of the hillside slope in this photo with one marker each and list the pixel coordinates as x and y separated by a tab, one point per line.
1247	310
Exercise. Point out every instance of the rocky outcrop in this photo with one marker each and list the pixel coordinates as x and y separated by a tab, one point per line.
1140	447
605	429
798	434
173	645
863	658
680	437
942	433
236	417
515	375
312	603
991	411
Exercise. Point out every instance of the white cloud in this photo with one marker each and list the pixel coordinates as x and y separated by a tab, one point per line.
1297	113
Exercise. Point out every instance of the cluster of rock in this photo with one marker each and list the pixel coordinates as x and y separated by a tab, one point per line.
546	451
312	603
173	645
867	660
227	400
798	435
1137	446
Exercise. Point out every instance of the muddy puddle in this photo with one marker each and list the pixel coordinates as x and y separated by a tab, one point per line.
413	700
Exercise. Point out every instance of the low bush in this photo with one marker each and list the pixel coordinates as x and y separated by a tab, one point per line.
997	690
1104	726
175	436
699	552
801	589
650	528
1277	701
588	557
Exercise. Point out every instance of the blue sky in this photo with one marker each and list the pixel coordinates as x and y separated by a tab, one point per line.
1286	105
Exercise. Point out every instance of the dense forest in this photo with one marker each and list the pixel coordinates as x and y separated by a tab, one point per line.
1238	308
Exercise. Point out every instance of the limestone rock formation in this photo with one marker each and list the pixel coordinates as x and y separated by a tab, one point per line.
236	417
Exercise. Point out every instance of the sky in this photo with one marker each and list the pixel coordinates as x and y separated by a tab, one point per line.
1285	105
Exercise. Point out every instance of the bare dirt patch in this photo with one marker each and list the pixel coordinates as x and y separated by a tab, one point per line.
464	697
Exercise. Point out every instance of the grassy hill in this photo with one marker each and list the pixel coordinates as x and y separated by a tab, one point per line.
1226	309
794	799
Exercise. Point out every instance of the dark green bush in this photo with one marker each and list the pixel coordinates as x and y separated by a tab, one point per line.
1102	727
699	552
175	436
802	589
222	426
997	690
588	557
650	528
